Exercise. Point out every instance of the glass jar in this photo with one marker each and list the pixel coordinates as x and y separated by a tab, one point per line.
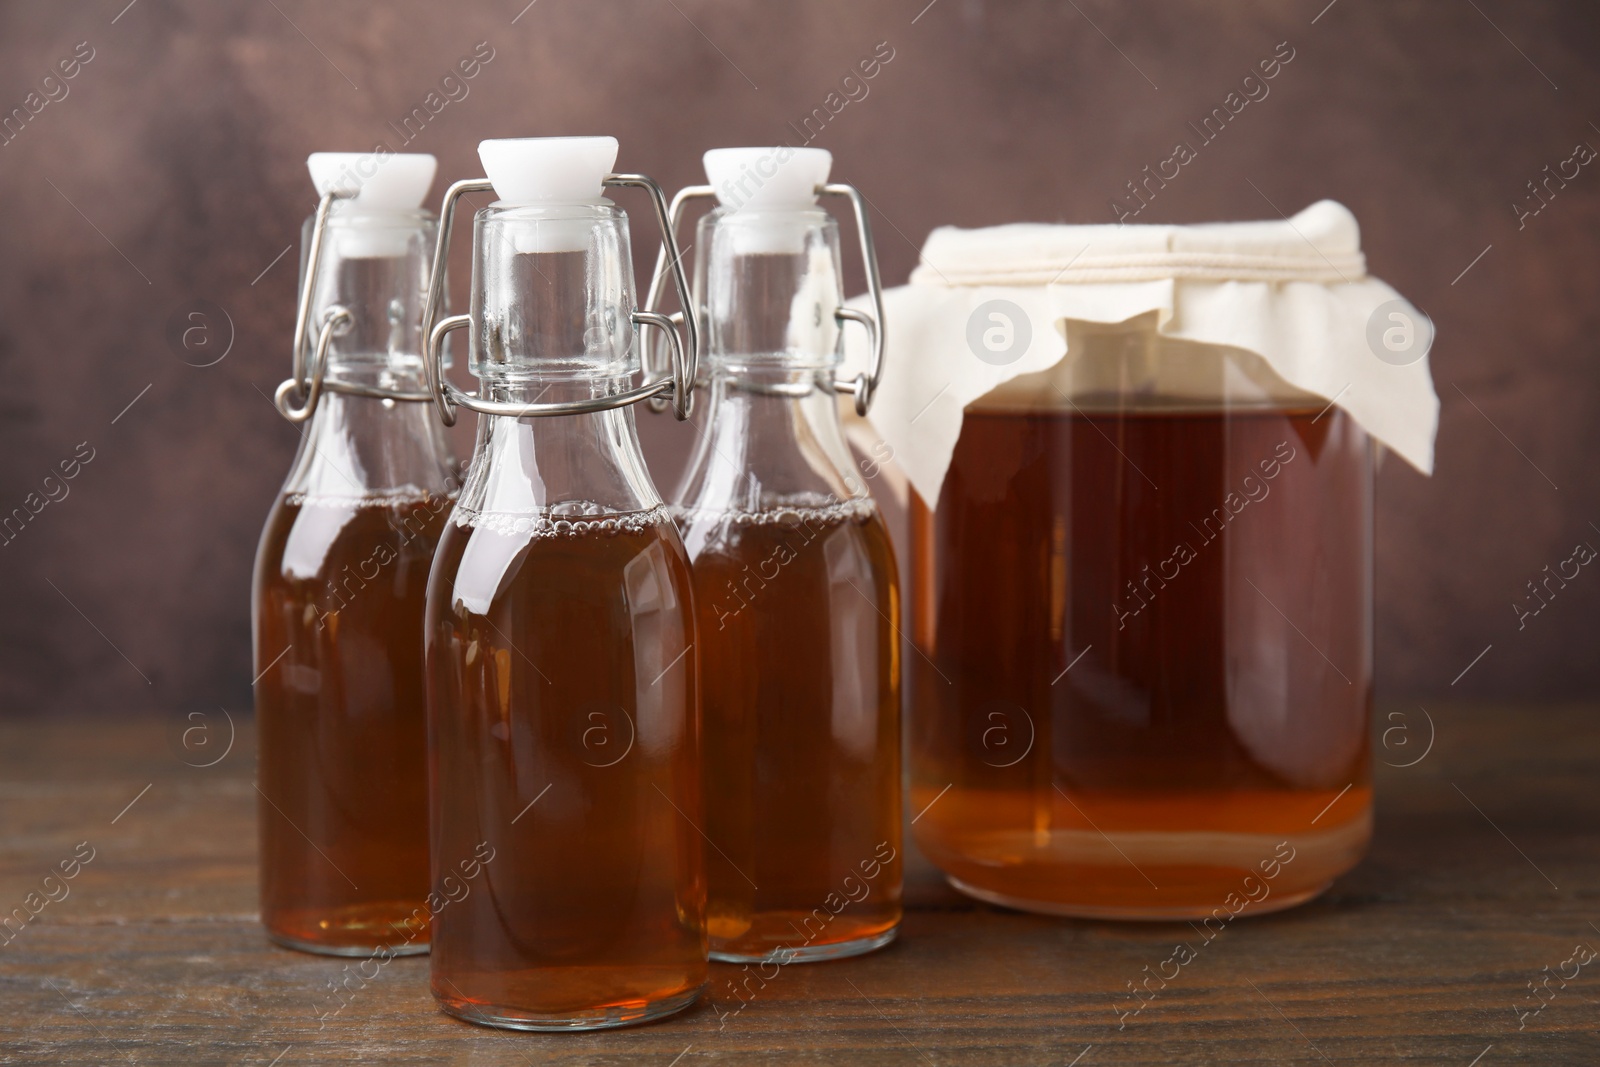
1143	633
340	576
1141	582
568	882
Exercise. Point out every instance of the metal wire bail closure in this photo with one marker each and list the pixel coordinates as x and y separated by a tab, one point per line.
863	386
677	386
335	320
308	377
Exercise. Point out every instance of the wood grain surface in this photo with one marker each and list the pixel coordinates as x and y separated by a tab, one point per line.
1484	873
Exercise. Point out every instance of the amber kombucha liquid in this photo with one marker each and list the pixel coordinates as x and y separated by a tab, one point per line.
564	745
339	592
1144	658
797	610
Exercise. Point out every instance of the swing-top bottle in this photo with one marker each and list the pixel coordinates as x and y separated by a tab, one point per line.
563	708
341	573
794	575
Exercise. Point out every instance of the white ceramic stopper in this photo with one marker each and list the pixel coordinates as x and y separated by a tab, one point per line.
767	196
548	170
396	182
380	187
767	179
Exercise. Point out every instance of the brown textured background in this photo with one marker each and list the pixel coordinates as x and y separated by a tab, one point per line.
183	144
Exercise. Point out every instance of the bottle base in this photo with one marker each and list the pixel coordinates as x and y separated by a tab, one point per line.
1175	913
812	953
606	1018
405	948
395	927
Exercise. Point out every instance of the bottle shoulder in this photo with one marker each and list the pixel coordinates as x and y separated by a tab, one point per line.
307	537
534	473
553	563
761	451
365	449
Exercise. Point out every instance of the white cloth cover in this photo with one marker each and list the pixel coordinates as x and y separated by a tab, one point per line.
1293	291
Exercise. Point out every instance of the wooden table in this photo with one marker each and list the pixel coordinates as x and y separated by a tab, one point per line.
1485	871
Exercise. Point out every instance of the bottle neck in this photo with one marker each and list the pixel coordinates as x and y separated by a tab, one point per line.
768	287
552	303
552	298
374	266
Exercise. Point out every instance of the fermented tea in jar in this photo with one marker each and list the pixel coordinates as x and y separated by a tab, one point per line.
341	573
1141	461
563	706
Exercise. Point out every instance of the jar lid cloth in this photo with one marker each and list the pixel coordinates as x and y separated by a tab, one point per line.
1293	291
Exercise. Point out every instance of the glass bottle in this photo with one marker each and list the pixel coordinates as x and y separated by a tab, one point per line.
341	573
1143	622
795	585
563	701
